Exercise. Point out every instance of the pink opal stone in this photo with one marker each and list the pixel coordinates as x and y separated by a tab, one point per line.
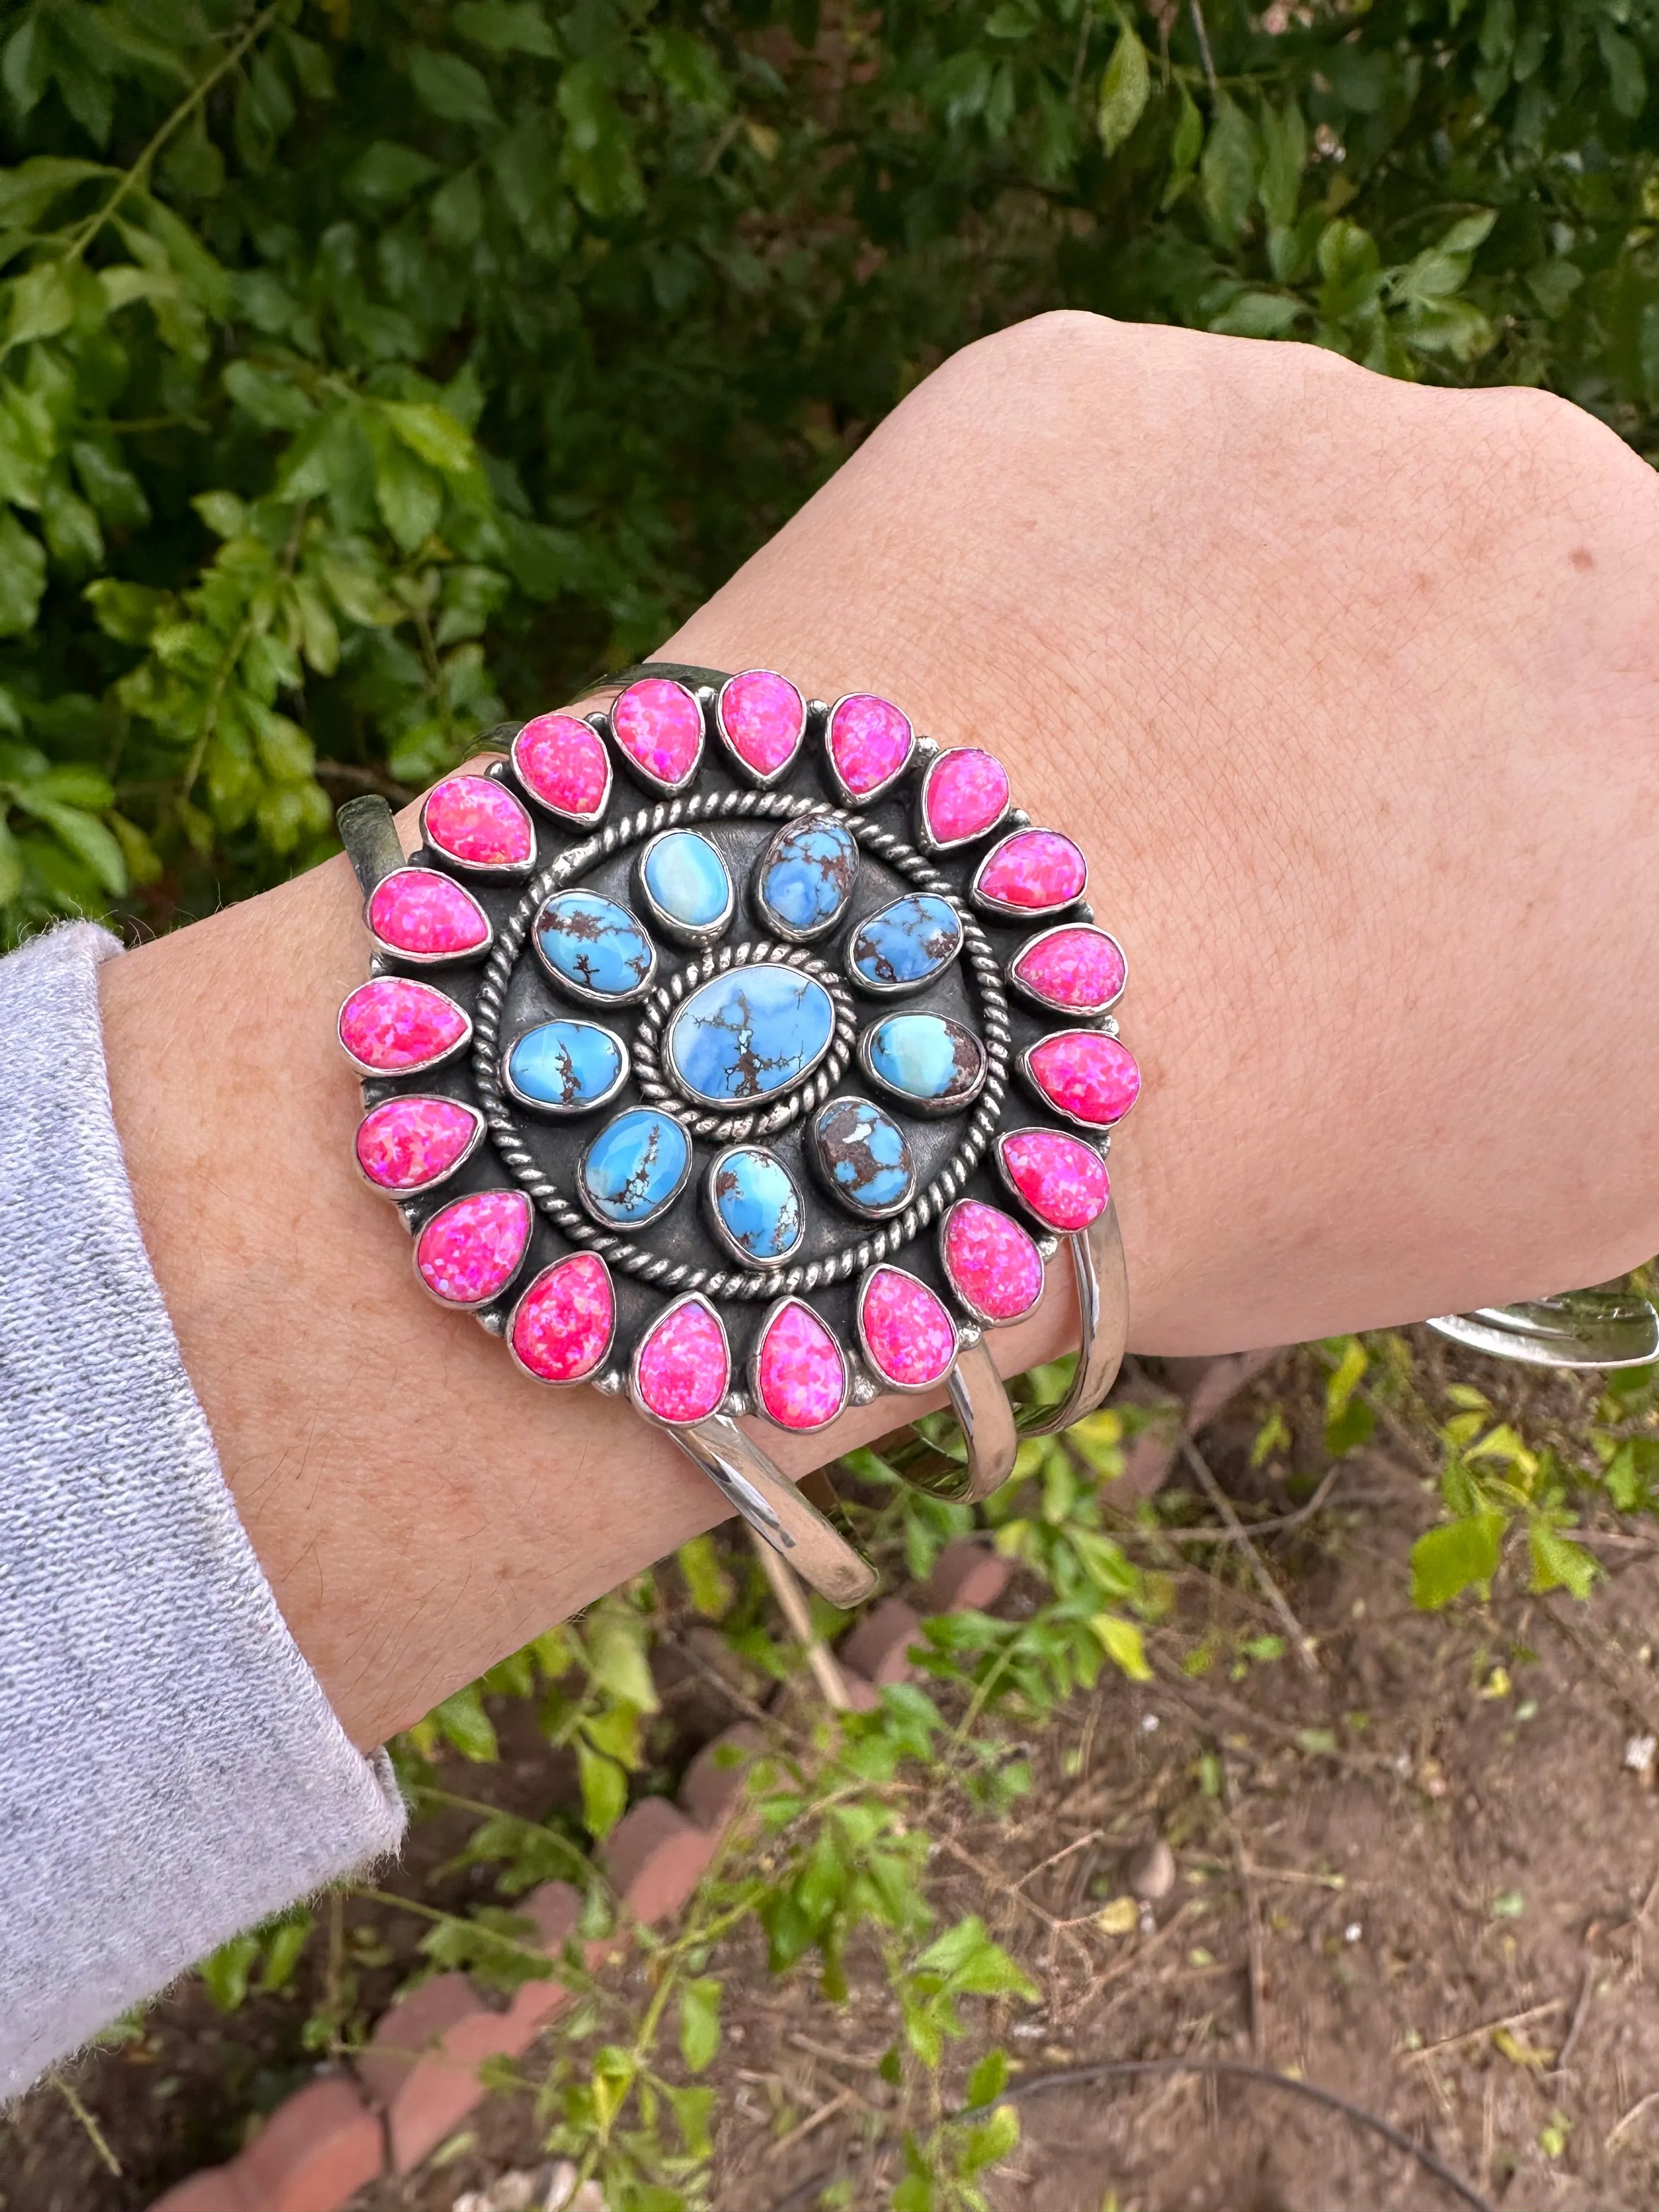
909	1337
800	1378
870	741
994	1267
964	794
1079	969
1085	1074
426	915
1061	1179
477	821
395	1026
410	1143
659	725
682	1369
562	763
472	1249
1033	870
563	1325
762	717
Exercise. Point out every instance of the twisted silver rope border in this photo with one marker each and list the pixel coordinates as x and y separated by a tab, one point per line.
620	1252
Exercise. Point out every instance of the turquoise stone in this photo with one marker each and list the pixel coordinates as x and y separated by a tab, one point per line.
908	942
634	1168
756	1203
594	945
686	880
864	1157
937	1062
748	1033
806	876
565	1066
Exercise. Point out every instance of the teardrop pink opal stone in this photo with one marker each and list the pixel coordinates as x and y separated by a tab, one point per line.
477	821
659	725
870	741
1087	1074
800	1377
909	1337
1079	969
964	795
562	763
393	1025
408	1143
994	1267
1034	870
427	914
1061	1179
762	717
684	1367
562	1326
472	1249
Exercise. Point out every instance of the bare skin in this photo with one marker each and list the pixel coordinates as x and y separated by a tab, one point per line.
1349	688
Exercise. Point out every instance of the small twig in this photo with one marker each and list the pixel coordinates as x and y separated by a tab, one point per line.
1621	2128
1486	2028
1055	1858
791	1603
1252	1911
1242	1531
1205	55
1300	1639
853	2059
1564	2055
95	2133
827	2111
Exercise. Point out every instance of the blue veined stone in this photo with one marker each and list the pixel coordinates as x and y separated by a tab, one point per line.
567	1066
937	1063
806	877
864	1156
594	946
908	942
686	879
634	1168
756	1203
748	1033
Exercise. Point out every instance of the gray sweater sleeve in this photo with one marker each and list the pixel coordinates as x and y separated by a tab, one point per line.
170	1769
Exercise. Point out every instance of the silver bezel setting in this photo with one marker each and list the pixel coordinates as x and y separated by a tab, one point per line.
1036	998
1005	912
568	815
723	1236
473	1305
586	1201
414	1066
401	953
694	935
772	1312
581	992
883	1378
486	872
685	1298
555	1113
969	1305
814	1154
433	1182
930	1109
660	785
846	794
925	837
729	1108
858	982
564	1382
762	779
764	914
1093	1130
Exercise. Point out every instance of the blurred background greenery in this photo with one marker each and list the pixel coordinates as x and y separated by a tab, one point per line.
371	371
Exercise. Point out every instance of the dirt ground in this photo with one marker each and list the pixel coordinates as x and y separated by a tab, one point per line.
1420	1871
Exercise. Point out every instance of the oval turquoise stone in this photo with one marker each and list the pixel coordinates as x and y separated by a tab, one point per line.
634	1168
750	1033
908	942
687	880
595	946
758	1207
925	1057
864	1157
565	1066
806	876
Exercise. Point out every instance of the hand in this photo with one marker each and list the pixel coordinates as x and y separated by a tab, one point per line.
1346	686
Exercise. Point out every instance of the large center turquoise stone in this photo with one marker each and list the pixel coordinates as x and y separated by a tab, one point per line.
594	945
746	1036
634	1168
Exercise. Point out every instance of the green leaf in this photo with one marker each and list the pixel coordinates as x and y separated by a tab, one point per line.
711	1588
700	2022
1627	77
1456	1557
410	496
463	1721
1227	174
1124	88
225	1971
1259	315
605	1789
42	304
274	402
432	433
992	2140
617	1656
451	88
1558	1563
1122	1644
22	576
506	27
386	174
988	2079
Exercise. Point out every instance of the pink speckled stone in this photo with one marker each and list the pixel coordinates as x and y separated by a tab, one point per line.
964	794
405	1144
396	1026
994	1267
762	717
1061	1179
563	1325
1079	969
562	763
477	821
472	1249
909	1337
659	725
684	1367
869	741
427	914
1034	870
1087	1075
800	1378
